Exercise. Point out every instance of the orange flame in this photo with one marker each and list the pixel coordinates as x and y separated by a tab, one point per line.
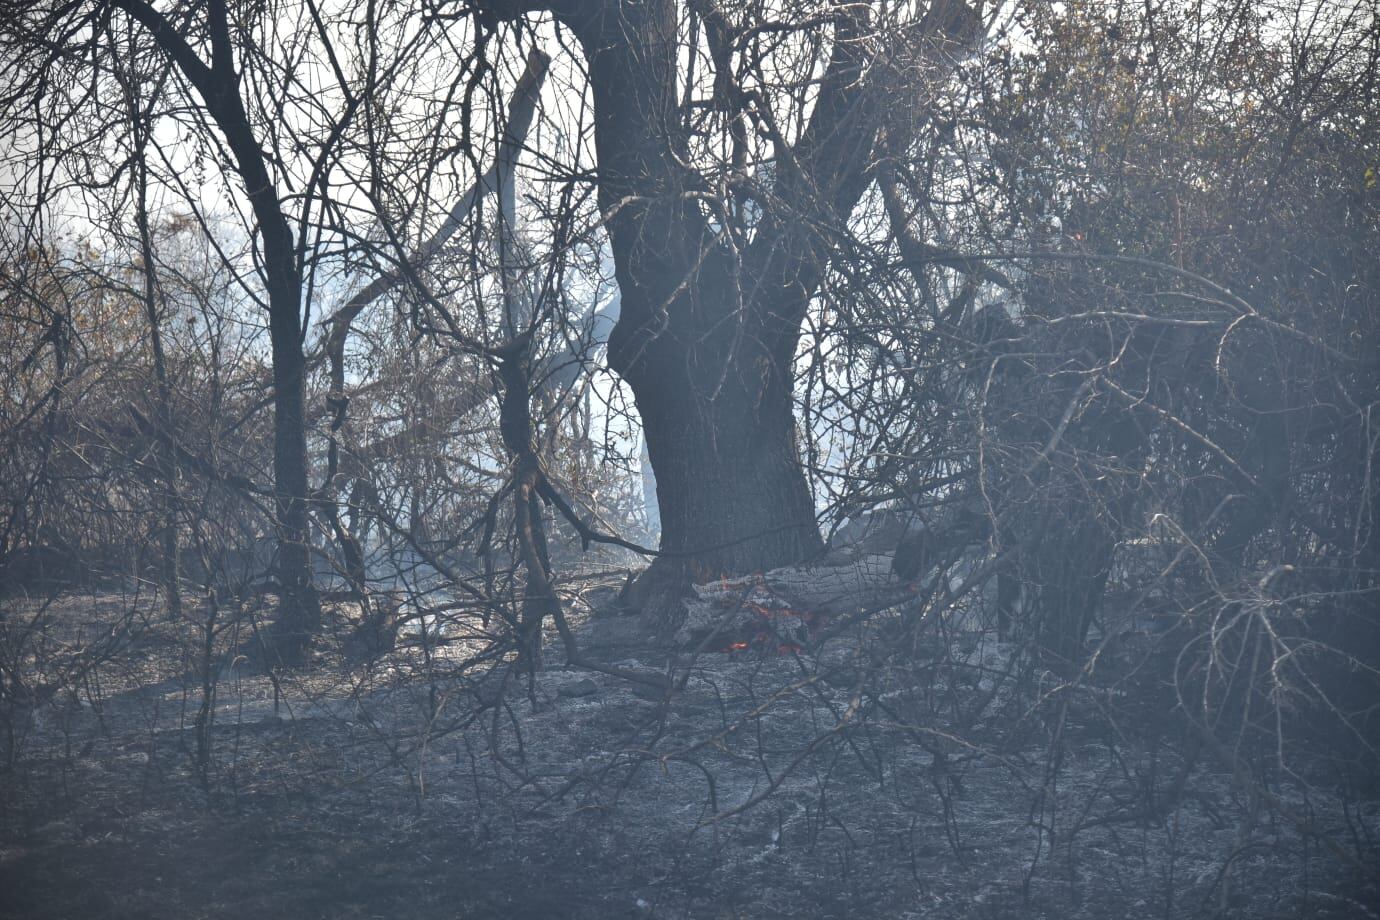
768	638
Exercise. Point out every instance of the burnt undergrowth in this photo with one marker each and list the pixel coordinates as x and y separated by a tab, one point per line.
903	761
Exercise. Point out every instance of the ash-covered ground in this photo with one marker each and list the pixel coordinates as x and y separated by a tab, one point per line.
878	771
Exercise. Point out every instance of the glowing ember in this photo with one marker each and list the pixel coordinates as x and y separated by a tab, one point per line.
782	630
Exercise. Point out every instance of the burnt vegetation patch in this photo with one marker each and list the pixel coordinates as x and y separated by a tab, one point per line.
689	460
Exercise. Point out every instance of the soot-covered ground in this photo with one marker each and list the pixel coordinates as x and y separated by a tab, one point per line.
853	778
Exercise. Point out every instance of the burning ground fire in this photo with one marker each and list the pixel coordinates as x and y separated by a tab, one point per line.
776	628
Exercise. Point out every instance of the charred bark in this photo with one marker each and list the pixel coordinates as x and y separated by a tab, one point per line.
732	496
707	333
299	611
218	83
713	300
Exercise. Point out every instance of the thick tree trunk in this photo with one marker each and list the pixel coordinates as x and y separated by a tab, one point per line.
712	298
731	491
713	385
706	354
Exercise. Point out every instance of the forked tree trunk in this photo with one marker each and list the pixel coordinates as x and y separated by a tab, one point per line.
713	296
713	386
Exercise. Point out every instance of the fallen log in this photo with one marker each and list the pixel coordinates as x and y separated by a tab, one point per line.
784	603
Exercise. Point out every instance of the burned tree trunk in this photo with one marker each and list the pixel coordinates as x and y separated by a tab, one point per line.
729	483
218	84
299	611
721	438
714	395
716	266
711	312
515	426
